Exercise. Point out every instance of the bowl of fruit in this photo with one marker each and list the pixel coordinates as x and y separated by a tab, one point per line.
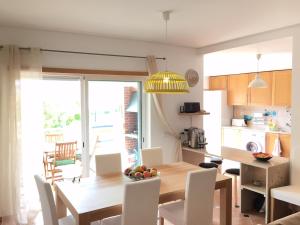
140	172
261	156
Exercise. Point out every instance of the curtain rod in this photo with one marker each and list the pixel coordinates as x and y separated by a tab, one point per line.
90	53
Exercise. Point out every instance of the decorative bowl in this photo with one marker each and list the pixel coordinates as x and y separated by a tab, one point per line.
261	156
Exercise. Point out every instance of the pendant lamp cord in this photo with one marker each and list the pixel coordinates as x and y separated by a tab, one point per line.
166	16
257	65
166	40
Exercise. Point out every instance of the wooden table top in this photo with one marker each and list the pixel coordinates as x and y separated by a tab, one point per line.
95	193
247	158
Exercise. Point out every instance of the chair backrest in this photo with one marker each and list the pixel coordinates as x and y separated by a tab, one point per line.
54	138
152	156
47	201
108	164
65	150
199	197
140	205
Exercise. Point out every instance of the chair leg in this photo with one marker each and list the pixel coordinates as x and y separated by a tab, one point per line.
45	169
272	209
235	192
161	221
53	176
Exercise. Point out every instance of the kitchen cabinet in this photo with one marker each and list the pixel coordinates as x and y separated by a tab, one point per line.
261	96
285	143
237	90
282	88
218	83
232	137
278	92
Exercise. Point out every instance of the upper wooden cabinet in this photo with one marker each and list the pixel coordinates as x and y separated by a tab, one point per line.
282	88
218	83
278	92
261	96
237	89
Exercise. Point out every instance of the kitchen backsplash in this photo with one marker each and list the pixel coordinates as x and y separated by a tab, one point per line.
282	117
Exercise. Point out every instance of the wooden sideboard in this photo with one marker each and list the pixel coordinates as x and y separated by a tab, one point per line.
193	156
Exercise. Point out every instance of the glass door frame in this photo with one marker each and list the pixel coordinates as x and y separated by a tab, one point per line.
85	111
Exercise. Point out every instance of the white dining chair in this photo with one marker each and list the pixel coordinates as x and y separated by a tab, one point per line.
140	204
152	156
197	208
48	205
108	164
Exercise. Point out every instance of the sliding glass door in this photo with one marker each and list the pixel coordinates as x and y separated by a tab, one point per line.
114	120
102	116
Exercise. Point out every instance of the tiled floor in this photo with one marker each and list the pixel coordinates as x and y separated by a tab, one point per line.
237	217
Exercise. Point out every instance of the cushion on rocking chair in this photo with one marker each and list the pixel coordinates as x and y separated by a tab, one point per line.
64	162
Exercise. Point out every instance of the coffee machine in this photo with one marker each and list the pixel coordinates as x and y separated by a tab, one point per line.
194	138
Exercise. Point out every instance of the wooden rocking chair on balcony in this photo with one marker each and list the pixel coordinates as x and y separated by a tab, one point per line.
65	154
50	139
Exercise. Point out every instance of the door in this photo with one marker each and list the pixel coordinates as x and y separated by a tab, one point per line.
237	89
285	143
261	96
114	120
218	83
282	88
62	120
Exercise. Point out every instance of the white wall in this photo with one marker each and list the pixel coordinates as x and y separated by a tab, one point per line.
275	55
295	156
179	60
234	63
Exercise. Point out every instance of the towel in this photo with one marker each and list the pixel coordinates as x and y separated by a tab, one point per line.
277	147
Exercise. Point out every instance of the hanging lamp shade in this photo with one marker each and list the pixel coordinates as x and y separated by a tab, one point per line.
166	82
258	82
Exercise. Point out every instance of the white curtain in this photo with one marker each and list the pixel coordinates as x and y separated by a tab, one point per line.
152	68
20	133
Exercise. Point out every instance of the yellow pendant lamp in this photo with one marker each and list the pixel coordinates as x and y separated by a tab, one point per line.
166	82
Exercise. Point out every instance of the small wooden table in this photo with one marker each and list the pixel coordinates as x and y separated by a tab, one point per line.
96	198
271	174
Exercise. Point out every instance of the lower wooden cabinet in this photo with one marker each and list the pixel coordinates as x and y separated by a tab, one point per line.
285	142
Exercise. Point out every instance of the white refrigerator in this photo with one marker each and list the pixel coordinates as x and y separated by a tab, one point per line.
215	102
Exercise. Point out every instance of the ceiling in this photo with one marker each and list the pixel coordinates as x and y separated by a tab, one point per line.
194	23
276	46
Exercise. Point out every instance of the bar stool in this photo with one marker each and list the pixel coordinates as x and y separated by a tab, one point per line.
219	162
208	165
235	172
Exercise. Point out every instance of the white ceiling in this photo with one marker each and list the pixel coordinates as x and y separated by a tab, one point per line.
194	23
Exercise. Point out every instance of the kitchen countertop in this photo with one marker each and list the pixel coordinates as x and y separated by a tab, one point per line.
259	129
197	150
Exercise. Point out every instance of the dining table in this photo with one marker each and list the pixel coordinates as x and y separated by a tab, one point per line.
98	197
